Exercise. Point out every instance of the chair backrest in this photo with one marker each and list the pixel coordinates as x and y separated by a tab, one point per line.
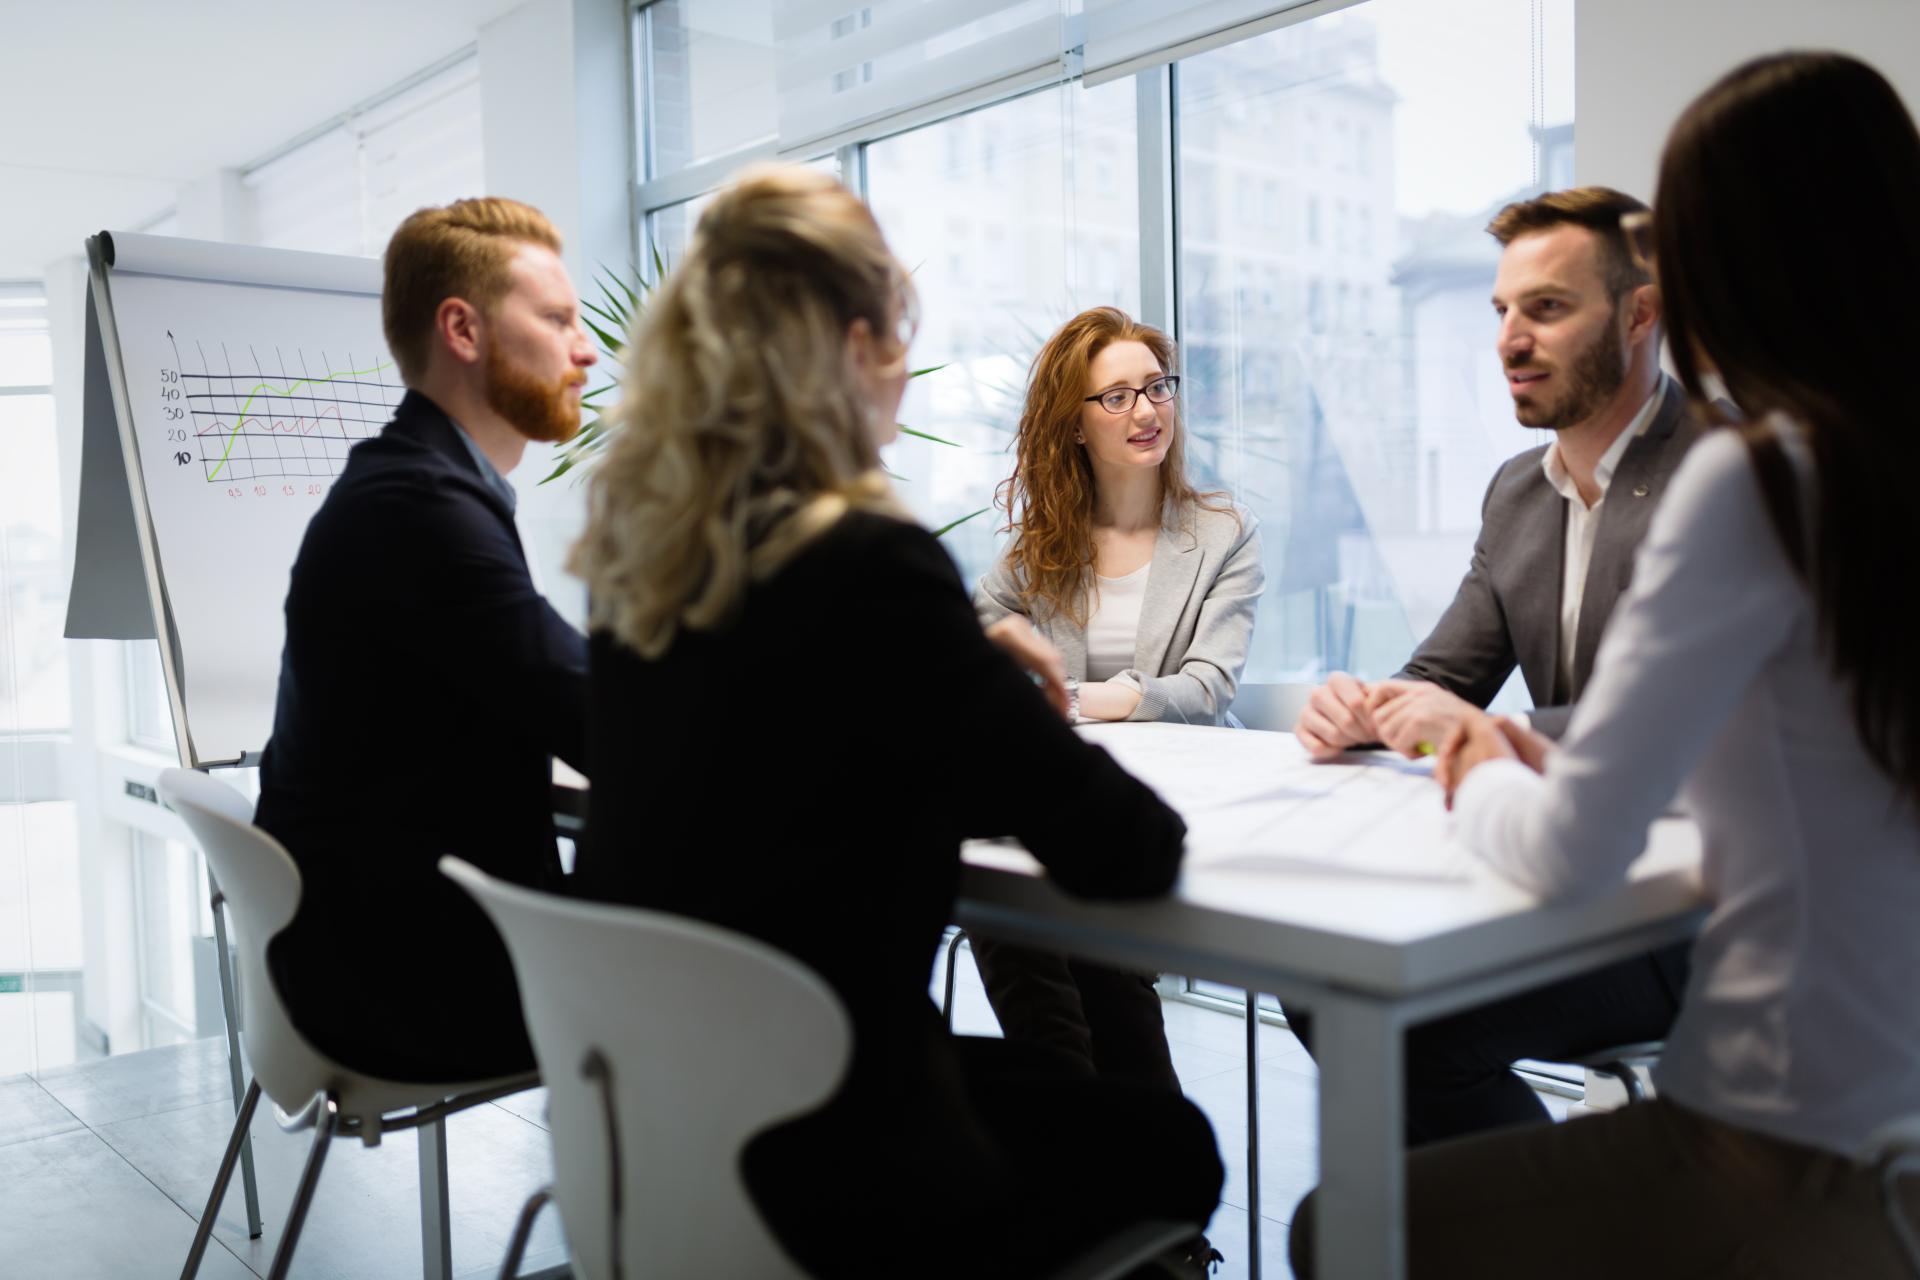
708	1037
262	889
1271	706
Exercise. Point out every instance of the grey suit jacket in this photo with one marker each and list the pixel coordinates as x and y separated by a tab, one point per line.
1195	623
1507	610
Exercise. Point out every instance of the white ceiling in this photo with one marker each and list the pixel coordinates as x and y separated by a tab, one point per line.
107	106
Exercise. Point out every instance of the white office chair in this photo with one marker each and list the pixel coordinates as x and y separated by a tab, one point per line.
262	889
666	1044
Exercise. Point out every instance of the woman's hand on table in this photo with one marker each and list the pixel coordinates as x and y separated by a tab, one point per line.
1108	700
1477	738
1035	655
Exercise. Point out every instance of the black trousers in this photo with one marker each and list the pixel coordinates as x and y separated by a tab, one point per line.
1459	1068
1105	1021
1029	1166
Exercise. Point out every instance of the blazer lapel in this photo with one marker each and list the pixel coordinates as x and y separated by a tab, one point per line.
1176	567
1531	589
1071	641
1632	496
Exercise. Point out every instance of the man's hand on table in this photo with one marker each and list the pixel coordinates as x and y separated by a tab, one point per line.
1414	717
1335	718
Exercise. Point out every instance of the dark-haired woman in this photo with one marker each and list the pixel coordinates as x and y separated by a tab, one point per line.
1762	666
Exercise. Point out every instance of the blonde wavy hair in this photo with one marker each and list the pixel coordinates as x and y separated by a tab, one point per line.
743	430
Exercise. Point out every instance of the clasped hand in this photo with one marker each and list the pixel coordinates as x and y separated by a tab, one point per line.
1410	716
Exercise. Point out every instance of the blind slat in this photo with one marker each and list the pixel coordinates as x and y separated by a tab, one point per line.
840	67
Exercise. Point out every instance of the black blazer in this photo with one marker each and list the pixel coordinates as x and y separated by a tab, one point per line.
1507	610
806	776
424	689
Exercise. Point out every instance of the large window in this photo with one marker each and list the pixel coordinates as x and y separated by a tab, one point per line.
1012	219
1325	267
707	82
1335	180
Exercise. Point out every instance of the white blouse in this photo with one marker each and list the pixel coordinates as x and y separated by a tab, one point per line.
1800	1020
1113	627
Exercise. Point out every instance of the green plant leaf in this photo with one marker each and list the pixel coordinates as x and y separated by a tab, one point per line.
618	322
621	313
910	431
607	340
921	373
945	529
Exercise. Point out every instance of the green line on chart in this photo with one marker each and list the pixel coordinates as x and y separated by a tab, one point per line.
241	417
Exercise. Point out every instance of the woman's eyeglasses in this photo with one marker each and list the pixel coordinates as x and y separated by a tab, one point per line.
1122	399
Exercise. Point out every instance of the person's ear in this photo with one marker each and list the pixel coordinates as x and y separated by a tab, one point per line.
458	325
1644	311
862	350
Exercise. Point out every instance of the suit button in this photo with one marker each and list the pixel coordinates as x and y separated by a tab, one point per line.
1639	491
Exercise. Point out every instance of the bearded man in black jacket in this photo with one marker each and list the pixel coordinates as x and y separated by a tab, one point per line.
426	685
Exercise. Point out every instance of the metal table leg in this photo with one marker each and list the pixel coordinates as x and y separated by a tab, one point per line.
1360	1227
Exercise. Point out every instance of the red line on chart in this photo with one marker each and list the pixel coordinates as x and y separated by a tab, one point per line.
283	425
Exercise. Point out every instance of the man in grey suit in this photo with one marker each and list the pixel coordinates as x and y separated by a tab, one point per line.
1579	340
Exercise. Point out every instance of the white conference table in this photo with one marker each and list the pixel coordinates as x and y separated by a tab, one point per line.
1337	888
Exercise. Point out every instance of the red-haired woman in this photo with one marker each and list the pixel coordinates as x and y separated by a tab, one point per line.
1148	588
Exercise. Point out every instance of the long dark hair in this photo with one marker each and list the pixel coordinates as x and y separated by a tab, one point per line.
1787	236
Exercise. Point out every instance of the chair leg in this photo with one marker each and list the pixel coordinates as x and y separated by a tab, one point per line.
326	1117
229	1006
523	1231
436	1227
953	953
242	1126
1253	1134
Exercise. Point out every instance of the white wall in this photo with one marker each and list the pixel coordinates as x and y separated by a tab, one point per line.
1638	63
555	128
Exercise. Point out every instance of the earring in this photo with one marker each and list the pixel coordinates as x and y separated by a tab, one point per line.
1078	438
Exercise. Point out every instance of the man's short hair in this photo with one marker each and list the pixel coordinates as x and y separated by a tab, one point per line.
1599	209
462	250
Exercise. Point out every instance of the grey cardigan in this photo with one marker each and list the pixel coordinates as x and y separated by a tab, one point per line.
1195	623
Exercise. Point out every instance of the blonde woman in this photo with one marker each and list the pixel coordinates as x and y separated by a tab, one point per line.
791	697
1148	587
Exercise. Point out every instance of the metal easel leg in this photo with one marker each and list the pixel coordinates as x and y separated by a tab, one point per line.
223	961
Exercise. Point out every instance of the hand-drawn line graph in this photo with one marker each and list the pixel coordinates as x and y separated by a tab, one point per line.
290	416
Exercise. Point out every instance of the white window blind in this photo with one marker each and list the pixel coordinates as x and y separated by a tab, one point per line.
345	190
842	65
1125	36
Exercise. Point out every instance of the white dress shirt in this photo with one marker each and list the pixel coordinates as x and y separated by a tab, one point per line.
1113	627
1801	1020
1583	521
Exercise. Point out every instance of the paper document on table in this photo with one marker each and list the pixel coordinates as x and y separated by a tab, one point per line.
1255	801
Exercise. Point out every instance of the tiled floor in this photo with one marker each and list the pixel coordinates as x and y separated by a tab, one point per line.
107	1165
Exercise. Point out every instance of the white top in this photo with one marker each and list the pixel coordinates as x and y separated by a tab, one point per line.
1113	626
1800	1020
1583	521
